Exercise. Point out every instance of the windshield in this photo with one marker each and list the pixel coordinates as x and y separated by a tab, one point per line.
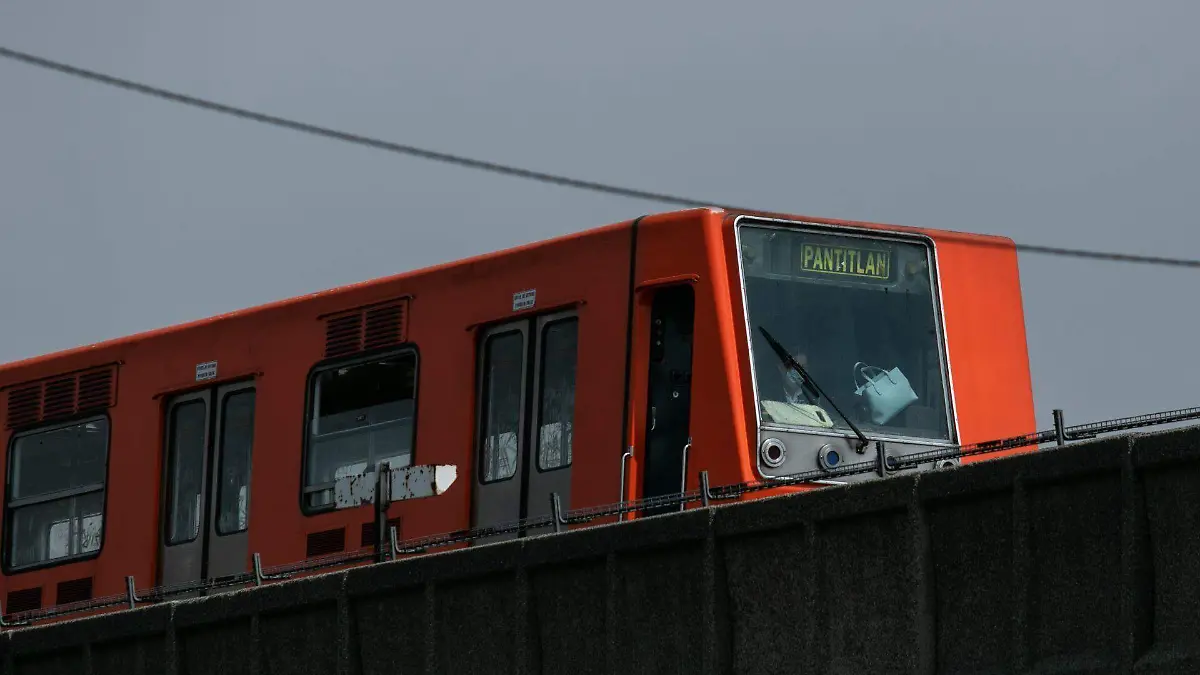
859	315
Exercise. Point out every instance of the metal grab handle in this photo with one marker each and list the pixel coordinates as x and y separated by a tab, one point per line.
628	454
260	576
683	478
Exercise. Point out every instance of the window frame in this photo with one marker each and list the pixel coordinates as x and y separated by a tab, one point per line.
324	365
6	540
539	389
219	456
203	397
936	297
520	328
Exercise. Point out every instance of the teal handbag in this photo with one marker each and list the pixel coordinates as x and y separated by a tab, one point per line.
887	392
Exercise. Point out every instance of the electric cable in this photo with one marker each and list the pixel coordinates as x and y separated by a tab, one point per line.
494	167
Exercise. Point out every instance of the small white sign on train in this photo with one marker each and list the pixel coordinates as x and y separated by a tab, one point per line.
524	299
206	371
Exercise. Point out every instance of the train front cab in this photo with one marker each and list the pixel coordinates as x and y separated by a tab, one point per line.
913	340
916	335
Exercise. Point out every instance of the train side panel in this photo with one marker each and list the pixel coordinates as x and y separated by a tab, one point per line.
986	341
147	371
448	309
685	250
277	347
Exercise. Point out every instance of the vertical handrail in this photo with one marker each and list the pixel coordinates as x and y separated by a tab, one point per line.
260	576
130	593
383	499
683	477
625	457
556	512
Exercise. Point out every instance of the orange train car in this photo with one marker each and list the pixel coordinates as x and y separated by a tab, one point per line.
609	365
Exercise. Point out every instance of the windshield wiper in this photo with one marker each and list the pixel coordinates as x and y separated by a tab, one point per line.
795	365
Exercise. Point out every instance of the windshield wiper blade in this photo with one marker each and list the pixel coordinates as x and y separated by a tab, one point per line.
795	365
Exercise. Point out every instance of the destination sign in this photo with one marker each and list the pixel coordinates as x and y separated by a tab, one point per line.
846	261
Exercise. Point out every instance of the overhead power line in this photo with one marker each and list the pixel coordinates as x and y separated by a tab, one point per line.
354	138
1105	255
494	167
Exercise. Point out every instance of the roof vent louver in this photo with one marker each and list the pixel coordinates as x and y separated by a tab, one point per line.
24	405
383	326
366	328
95	389
60	397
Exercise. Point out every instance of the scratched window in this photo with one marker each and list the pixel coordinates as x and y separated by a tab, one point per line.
860	314
556	395
186	449
361	414
56	493
503	380
237	441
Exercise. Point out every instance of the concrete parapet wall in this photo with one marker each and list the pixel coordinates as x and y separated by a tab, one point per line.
1079	560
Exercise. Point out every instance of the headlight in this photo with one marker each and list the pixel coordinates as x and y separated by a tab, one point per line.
829	458
773	452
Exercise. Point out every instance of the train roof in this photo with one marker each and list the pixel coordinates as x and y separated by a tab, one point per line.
13	371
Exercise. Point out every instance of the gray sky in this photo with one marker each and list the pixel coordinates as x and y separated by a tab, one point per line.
1067	123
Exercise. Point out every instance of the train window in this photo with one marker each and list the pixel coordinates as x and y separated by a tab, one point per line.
237	438
56	492
501	406
556	399
362	413
185	463
861	315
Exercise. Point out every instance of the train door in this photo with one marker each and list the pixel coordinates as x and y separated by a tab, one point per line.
209	439
669	394
525	410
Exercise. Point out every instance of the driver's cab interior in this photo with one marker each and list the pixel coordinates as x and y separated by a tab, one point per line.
859	313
